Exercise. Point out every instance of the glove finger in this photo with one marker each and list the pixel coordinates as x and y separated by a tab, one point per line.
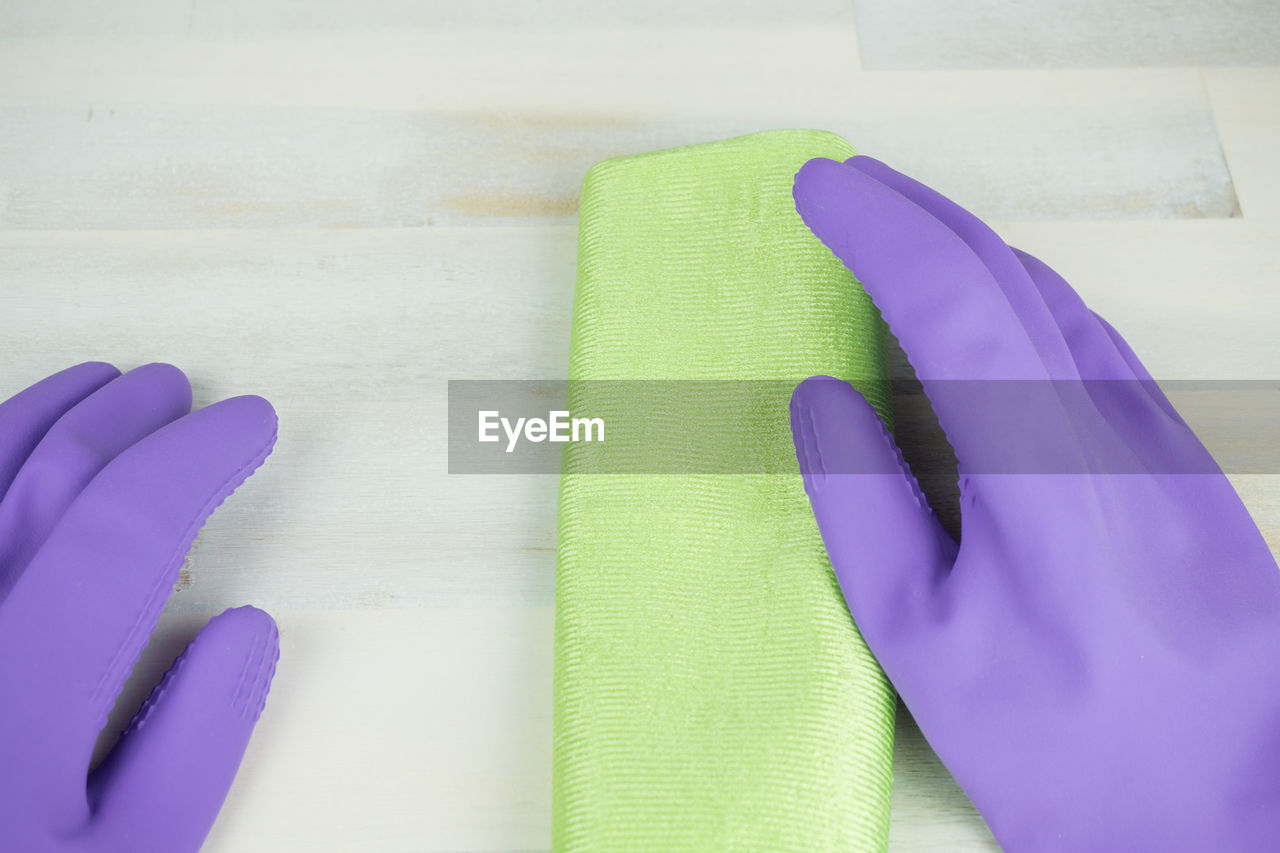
1154	436
953	320
888	549
1024	298
76	448
940	300
161	787
1094	354
90	597
27	416
1139	370
1070	340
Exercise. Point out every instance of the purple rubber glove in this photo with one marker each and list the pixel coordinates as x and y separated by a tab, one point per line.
104	482
1098	661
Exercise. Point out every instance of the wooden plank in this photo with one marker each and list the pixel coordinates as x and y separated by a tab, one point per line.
397	731
937	34
355	509
796	72
929	813
359	473
1149	151
423	730
605	71
1246	107
244	17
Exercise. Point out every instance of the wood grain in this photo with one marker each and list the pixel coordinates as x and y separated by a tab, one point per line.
1049	145
260	167
359	476
1246	107
396	731
429	731
937	34
243	17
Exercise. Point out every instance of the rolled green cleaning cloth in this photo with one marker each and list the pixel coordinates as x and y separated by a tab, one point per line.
711	690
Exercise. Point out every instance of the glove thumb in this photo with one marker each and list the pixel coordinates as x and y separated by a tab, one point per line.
887	547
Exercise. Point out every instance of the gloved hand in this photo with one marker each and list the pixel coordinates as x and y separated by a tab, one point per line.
1098	660
104	482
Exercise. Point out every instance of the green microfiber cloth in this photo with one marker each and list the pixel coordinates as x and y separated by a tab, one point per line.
711	690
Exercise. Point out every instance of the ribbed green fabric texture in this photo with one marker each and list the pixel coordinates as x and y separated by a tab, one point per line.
711	690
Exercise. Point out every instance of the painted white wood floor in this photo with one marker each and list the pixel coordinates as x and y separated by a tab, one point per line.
342	205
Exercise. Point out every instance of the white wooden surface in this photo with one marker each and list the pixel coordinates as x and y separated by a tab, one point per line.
342	205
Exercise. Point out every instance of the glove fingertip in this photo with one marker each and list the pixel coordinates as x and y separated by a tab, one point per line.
248	640
837	431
